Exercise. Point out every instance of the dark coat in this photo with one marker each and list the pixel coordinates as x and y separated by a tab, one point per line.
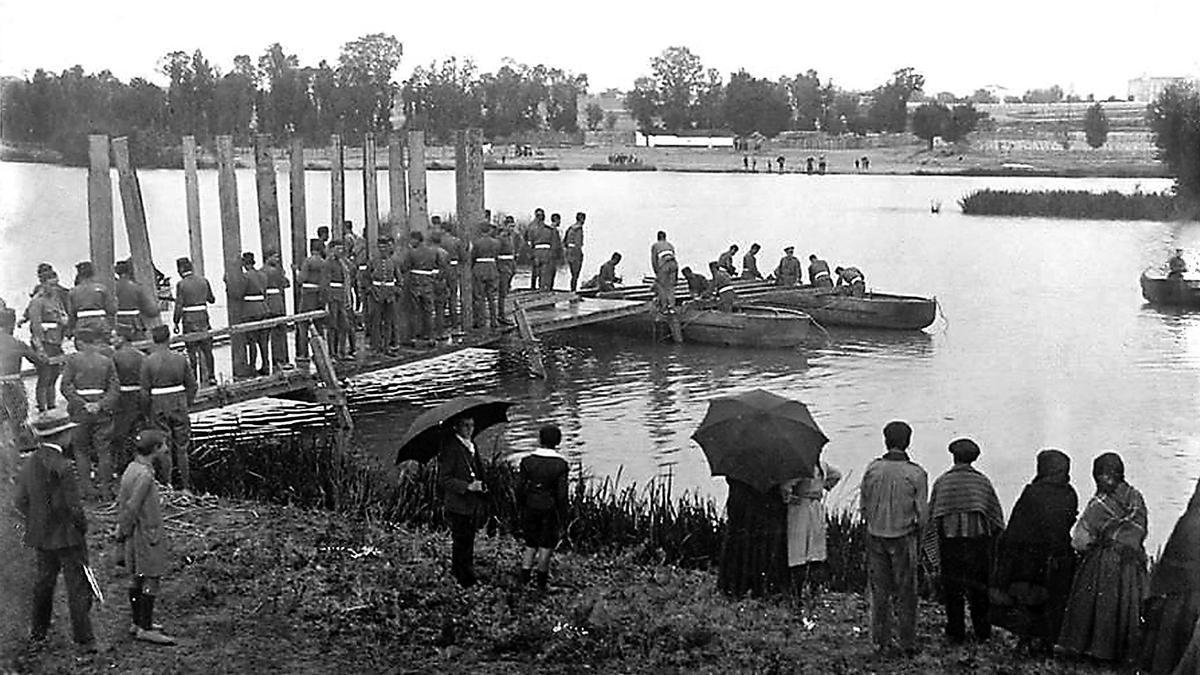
48	497
457	467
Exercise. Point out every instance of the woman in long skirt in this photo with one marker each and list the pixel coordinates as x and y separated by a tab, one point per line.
754	551
1174	604
1103	612
806	551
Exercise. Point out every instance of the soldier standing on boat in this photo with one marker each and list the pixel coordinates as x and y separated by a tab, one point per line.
725	260
92	306
313	279
532	231
193	295
573	241
486	278
850	280
818	272
722	287
47	329
134	303
506	267
127	413
91	388
1176	266
543	238
666	272
422	270
456	251
254	308
277	282
750	263
341	327
788	272
169	389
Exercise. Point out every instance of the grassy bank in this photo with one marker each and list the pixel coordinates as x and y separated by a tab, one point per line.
1111	205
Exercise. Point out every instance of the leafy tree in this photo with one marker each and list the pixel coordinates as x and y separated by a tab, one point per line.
610	121
444	97
512	99
642	103
808	99
595	116
753	104
1095	126
562	106
1052	95
1175	121
963	120
889	110
983	96
366	67
679	76
929	121
710	106
284	97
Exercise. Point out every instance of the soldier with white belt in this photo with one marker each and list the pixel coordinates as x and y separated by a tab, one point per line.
277	282
90	385
193	295
92	305
169	388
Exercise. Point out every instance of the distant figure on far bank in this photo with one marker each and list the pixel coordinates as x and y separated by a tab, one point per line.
780	161
808	165
1176	265
850	281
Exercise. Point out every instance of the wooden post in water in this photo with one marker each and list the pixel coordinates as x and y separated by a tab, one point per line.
299	227
397	188
370	194
268	197
468	183
100	209
418	199
191	188
231	247
135	223
337	187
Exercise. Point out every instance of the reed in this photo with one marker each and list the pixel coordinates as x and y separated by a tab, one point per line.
1081	204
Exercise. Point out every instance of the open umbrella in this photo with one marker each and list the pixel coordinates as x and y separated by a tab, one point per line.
759	438
424	437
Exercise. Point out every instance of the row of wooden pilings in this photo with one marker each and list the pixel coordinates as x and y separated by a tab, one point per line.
408	212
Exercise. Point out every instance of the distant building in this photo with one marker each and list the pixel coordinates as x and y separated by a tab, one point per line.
612	102
1145	89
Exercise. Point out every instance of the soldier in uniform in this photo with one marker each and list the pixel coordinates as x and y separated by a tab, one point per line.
14	401
818	272
47	328
486	277
441	287
422	270
193	295
92	306
456	250
277	283
666	272
534	233
1176	265
91	387
135	303
506	267
607	279
545	240
788	272
381	273
254	308
127	413
341	327
170	388
725	260
573	241
313	279
750	263
722	287
850	280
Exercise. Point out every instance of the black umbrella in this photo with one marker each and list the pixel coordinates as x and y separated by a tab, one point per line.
424	437
759	438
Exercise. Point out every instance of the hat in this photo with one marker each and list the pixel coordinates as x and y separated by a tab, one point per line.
51	422
789	249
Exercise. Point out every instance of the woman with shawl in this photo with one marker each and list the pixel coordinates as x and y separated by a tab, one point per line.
1102	614
806	526
966	516
1035	563
1173	607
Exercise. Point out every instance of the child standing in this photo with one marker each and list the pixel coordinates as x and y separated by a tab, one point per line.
140	529
542	498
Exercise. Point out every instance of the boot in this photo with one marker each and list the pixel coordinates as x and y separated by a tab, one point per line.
524	575
135	610
146	632
543	580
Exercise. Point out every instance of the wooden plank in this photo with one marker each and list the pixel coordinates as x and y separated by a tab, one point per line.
135	214
231	245
100	210
329	381
530	344
268	198
418	197
337	187
370	194
397	188
299	210
191	188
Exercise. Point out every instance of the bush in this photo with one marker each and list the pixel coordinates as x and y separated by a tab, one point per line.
1111	205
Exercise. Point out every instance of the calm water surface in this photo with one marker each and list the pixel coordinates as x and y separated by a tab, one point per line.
1046	342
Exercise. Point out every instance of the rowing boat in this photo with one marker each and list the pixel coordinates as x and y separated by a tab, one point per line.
1172	292
873	310
756	326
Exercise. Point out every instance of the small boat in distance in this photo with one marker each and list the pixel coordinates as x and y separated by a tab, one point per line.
1161	290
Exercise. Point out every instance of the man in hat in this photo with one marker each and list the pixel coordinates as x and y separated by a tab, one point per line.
750	263
341	328
91	387
381	296
422	268
135	303
313	278
573	241
456	251
14	401
92	306
254	308
140	530
486	278
277	283
127	413
1176	266
666	272
460	474
47	316
441	285
541	237
170	388
506	266
818	272
56	528
193	295
787	273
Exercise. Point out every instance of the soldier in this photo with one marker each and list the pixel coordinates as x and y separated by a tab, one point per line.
92	306
441	288
486	277
851	281
402	306
818	272
550	270
355	249
506	267
323	236
456	250
341	328
127	413
277	282
722	287
666	272
135	303
750	263
14	401
91	388
573	241
47	328
422	273
193	295
534	235
725	260
381	270
254	308
1176	265
787	273
169	389
697	284
313	278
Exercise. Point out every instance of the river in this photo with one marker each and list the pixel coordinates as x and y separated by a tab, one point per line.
1046	341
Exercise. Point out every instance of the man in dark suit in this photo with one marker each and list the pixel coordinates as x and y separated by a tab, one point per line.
460	477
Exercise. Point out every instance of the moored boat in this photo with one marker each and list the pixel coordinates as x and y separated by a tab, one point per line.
1171	292
757	326
873	310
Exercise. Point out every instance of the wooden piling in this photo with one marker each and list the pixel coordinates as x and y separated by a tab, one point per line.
191	188
135	214
231	247
337	187
299	224
468	183
100	209
397	188
370	193
418	199
268	197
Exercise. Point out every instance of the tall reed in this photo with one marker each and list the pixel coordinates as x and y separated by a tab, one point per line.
1110	205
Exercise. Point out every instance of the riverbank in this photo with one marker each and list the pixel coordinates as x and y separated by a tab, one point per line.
258	588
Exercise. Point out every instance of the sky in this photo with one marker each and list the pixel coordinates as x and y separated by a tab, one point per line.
1091	46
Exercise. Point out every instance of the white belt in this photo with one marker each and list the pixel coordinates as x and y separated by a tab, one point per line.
541	245
253	298
479	260
49	326
821	275
336	284
505	256
129	388
855	280
310	286
362	267
173	389
723	289
128	312
573	245
15	377
89	313
665	253
196	308
453	262
383	283
274	291
90	392
426	273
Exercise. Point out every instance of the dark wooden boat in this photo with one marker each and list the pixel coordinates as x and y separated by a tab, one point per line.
758	326
873	310
1178	292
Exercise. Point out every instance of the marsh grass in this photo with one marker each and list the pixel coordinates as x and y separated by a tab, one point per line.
1078	204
